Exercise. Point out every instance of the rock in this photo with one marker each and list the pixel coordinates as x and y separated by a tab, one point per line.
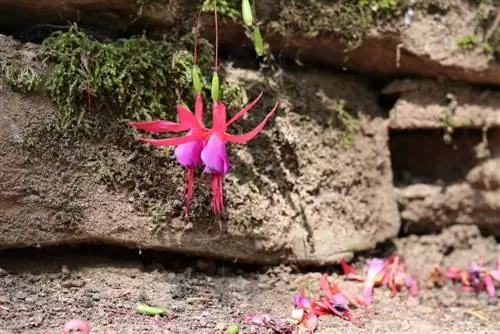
426	208
445	154
304	191
425	104
428	46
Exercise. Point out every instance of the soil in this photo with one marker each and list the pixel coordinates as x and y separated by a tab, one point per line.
42	289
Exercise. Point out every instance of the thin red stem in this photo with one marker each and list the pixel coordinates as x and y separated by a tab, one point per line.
195	38
254	12
216	63
188	190
89	102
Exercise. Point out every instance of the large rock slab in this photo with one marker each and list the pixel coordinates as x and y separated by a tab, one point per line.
426	43
304	191
426	104
445	147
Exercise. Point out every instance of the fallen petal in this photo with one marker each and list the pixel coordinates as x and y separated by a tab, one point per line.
78	325
490	287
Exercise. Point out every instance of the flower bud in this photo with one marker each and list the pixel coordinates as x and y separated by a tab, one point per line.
215	87
258	42
246	11
196	79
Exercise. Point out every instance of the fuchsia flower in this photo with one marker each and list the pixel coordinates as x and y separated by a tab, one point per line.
304	312
187	153
476	278
333	302
201	144
390	272
214	154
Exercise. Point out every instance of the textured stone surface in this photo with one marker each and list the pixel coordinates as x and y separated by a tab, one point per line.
295	193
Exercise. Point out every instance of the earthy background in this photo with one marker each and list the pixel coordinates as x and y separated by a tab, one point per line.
387	127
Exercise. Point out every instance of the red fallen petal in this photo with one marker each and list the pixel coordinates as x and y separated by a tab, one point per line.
346	267
320	308
244	110
241	139
325	286
310	321
174	141
159	126
355	277
453	273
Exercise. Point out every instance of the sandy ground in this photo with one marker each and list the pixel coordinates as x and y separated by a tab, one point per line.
41	289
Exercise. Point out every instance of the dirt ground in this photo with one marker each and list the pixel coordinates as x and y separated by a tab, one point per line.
43	288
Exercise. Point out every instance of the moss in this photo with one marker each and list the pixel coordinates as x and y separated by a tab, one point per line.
468	42
138	77
141	4
347	19
227	8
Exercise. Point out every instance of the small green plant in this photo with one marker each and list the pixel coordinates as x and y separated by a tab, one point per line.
345	122
379	5
468	42
227	8
22	78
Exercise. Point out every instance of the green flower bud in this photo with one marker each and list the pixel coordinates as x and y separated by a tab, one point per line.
232	329
258	42
196	79
246	11
148	310
215	87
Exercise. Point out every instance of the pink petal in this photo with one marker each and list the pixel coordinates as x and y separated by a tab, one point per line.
173	141
325	286
495	274
214	156
189	154
490	286
241	139
198	108
219	114
159	126
244	110
310	321
76	324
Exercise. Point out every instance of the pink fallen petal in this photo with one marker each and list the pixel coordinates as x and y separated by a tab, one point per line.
373	269
490	287
76	325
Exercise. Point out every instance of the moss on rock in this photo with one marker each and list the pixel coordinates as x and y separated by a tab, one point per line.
139	77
